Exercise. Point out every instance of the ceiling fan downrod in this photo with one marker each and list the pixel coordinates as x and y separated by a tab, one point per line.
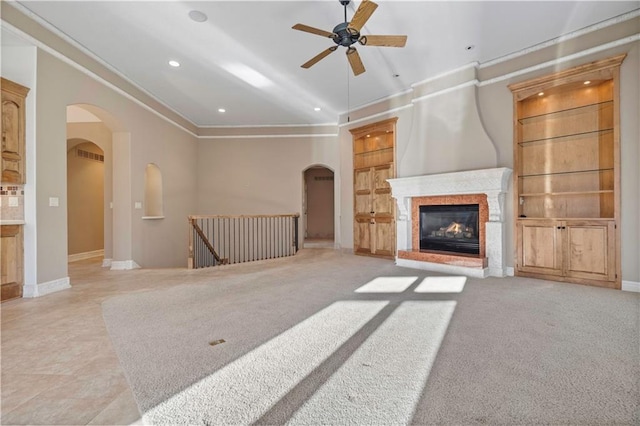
344	35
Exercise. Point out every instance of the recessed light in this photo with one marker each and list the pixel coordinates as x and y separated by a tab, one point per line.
174	64
368	136
222	110
197	16
541	94
316	109
587	82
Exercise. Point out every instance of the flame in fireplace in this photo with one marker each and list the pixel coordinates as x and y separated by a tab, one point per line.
455	227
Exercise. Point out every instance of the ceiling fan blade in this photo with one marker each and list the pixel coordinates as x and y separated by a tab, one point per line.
308	29
362	15
318	57
383	40
354	60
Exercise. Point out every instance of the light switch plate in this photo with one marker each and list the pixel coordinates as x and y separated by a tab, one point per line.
138	205
54	202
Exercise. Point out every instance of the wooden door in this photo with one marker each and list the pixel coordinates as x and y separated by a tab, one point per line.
13	137
540	247
374	231
363	211
383	212
590	250
11	261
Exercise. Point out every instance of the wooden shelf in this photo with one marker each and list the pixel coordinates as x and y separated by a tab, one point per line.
563	138
542	194
561	114
566	173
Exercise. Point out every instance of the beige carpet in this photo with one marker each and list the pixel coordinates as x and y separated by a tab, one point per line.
329	338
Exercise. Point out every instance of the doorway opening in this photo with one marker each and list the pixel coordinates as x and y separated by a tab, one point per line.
85	200
319	211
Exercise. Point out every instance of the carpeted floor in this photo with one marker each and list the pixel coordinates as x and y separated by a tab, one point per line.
330	338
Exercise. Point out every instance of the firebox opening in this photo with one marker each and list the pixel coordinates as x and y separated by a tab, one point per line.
450	228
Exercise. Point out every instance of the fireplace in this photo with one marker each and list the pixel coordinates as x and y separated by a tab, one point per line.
450	228
485	188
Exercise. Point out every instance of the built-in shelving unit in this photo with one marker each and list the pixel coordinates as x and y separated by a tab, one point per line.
566	174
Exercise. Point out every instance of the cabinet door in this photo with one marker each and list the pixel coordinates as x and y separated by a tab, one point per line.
383	212
363	211
540	247
12	138
590	250
11	261
374	230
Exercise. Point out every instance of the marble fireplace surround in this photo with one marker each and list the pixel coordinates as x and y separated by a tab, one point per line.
485	187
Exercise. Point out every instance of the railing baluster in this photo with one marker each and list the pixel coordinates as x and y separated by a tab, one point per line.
236	239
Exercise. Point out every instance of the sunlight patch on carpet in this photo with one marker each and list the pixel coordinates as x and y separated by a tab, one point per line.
381	383
387	285
244	390
441	285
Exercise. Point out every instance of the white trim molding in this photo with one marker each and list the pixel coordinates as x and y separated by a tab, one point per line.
106	263
86	255
37	290
631	286
124	265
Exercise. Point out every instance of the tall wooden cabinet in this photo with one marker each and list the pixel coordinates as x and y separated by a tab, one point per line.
567	175
12	173
374	230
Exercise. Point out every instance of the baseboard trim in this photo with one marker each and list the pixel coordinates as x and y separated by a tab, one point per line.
123	265
106	263
631	286
86	255
37	290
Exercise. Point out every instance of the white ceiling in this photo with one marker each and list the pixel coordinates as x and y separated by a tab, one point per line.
138	38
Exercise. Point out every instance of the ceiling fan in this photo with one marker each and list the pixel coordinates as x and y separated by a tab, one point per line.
348	33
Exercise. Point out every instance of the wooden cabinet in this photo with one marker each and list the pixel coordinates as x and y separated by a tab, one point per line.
572	249
11	261
374	230
13	137
374	211
566	174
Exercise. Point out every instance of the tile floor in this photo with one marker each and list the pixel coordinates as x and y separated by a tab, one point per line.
58	365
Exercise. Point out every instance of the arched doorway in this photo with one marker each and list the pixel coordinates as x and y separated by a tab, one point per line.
94	124
319	211
85	200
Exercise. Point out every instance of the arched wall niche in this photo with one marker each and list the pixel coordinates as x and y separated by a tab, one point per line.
153	197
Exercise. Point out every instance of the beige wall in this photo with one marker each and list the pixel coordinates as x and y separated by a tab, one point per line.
152	139
85	194
255	175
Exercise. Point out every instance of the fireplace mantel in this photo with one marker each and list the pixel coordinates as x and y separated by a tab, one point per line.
491	182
